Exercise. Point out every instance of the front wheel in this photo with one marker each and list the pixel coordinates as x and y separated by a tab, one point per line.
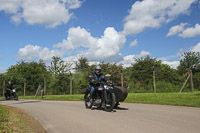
109	104
15	96
88	101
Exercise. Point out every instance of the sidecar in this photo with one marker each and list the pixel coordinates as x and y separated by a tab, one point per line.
120	93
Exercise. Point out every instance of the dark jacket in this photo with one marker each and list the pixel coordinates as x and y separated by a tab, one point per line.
95	79
10	87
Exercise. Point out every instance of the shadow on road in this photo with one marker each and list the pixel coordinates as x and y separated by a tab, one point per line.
24	102
20	102
114	110
2	99
119	108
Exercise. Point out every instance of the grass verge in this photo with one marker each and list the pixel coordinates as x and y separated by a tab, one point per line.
17	121
3	118
56	97
178	99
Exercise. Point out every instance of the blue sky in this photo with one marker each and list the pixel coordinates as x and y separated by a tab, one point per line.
100	30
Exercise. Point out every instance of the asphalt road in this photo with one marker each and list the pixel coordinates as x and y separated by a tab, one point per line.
73	117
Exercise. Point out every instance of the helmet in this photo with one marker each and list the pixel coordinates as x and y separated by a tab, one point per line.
9	82
97	68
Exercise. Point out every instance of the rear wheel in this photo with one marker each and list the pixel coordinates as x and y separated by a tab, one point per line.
109	104
6	97
88	101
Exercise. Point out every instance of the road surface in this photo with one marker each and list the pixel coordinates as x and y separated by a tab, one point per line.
72	117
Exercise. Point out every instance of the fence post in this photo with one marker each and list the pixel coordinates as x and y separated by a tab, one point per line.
191	81
4	86
70	83
184	83
45	85
24	86
122	79
154	81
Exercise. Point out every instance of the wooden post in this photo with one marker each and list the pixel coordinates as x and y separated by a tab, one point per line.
4	86
191	81
184	83
24	86
45	85
70	83
154	81
122	79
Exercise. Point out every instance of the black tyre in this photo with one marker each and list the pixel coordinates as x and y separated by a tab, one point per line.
6	96
15	96
117	105
110	104
88	101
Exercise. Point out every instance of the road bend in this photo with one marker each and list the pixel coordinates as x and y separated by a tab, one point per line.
73	117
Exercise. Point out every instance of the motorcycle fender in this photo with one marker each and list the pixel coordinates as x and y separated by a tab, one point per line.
110	90
86	91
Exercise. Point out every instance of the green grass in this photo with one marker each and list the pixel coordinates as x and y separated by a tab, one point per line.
56	97
3	118
179	99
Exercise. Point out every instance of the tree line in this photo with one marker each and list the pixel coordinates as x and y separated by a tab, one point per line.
57	77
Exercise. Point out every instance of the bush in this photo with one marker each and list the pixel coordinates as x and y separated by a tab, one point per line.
138	88
163	86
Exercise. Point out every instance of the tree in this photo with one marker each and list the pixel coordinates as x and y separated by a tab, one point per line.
58	66
27	76
143	69
141	75
82	64
59	80
190	60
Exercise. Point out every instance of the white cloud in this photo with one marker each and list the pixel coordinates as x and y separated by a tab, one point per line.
133	43
50	13
184	32
152	13
10	6
131	59
176	29
72	4
178	56
31	52
196	48
172	64
190	32
77	37
106	46
2	70
99	49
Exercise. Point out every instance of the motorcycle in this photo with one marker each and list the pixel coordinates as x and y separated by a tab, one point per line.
102	97
11	95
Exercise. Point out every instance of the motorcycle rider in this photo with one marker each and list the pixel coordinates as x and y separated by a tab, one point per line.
9	88
95	78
